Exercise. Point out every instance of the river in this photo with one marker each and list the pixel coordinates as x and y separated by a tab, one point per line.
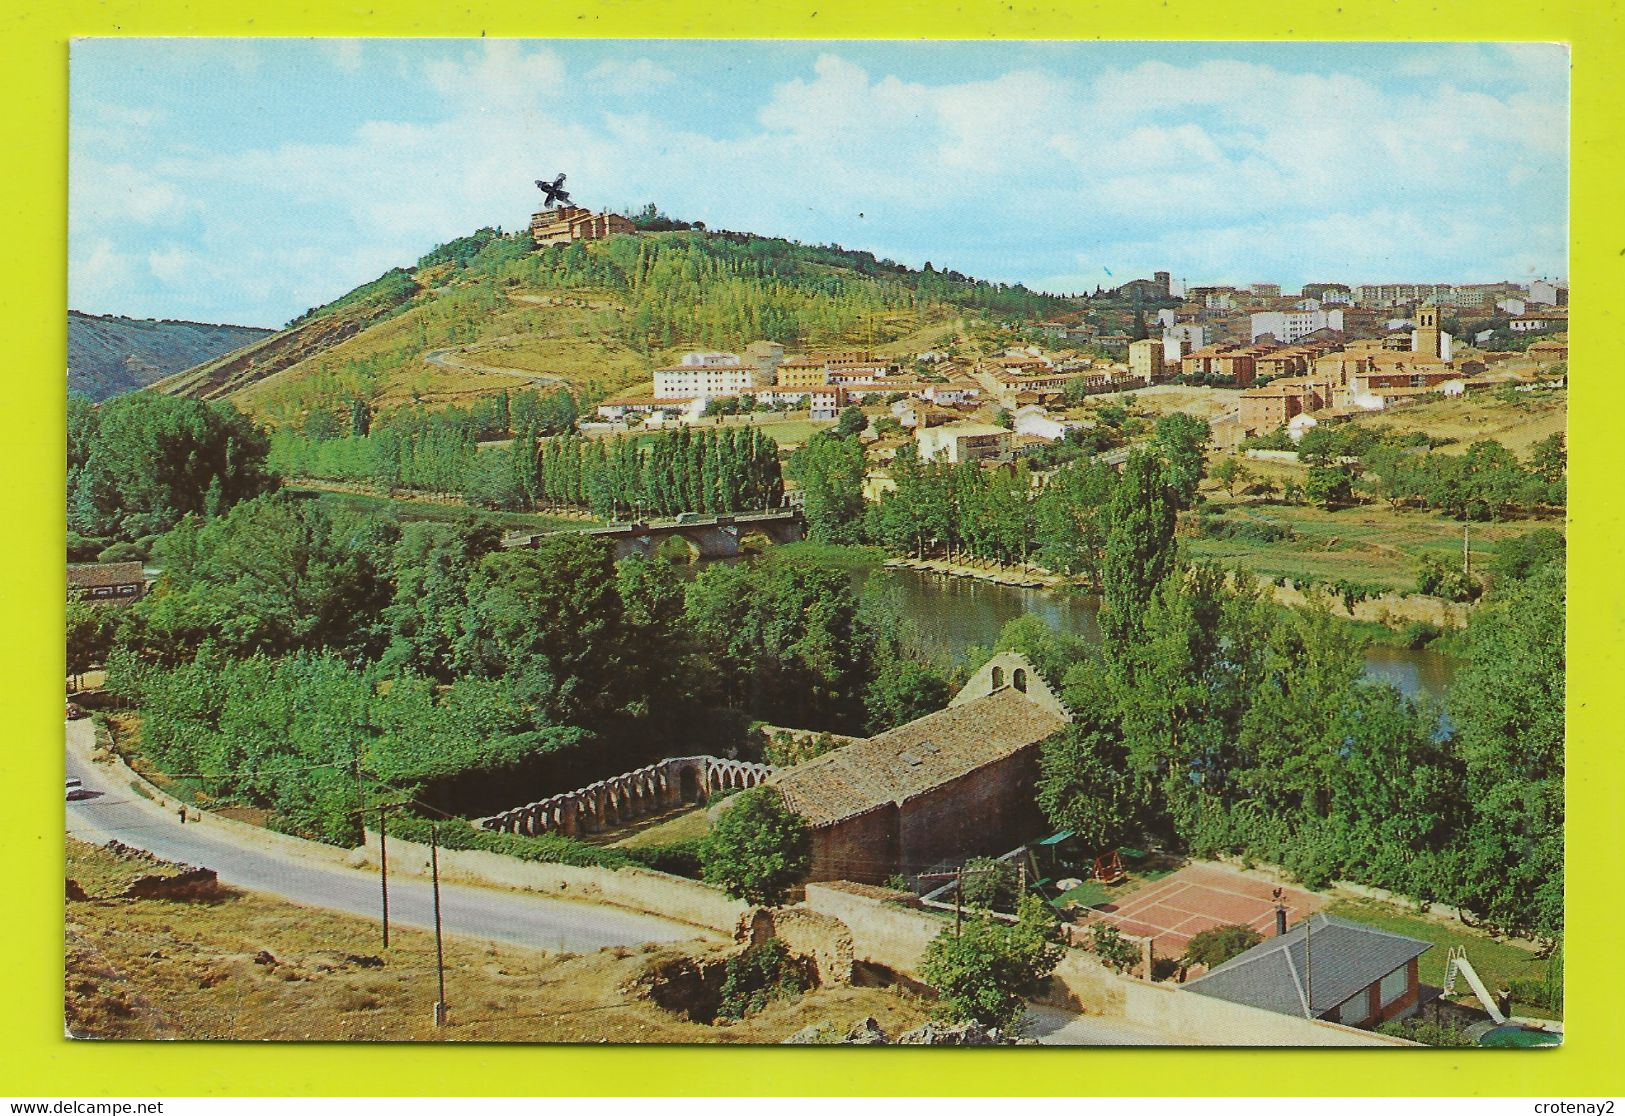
955	613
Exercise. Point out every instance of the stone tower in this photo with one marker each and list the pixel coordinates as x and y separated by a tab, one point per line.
1425	338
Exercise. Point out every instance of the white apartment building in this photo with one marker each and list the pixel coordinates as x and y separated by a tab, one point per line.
1177	340
1290	325
706	375
1544	292
964	441
1394	294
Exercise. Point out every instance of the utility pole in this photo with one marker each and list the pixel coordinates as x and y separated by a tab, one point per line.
383	866
959	898
439	949
1309	966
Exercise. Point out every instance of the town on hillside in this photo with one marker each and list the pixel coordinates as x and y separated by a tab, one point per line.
625	630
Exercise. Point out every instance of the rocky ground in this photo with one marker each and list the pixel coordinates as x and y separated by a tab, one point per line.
158	951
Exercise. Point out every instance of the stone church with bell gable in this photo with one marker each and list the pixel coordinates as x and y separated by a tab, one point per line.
955	783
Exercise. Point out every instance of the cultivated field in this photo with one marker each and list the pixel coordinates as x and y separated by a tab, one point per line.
1369	544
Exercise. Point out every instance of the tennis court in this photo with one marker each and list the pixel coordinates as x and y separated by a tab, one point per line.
1173	909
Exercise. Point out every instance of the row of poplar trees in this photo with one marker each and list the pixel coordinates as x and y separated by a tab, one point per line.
724	469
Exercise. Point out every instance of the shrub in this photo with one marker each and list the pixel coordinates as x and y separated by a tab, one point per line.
1418	634
1216	945
1112	948
1518	558
993	885
1435	579
551	848
1428	1034
986	972
680	858
1246	530
763	973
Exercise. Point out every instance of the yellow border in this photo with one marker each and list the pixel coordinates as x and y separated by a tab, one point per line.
39	1062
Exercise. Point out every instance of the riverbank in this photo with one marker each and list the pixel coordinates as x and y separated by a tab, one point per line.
1014	577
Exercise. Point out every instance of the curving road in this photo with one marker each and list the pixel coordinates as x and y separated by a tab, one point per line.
456	358
112	811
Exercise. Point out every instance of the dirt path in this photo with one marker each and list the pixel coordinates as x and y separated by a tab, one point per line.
454	358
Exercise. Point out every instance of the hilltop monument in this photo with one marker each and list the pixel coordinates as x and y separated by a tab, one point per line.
570	223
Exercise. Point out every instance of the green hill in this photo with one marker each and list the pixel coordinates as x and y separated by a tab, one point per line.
109	355
490	312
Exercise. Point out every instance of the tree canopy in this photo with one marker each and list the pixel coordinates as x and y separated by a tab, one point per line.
140	462
758	849
989	968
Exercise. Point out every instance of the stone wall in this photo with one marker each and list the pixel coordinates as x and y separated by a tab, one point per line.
624	798
882	933
858	848
896	937
825	942
635	889
982	812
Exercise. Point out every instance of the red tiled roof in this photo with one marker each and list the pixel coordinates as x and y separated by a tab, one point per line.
99	575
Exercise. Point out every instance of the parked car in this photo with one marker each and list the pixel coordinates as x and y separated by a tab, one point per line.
76	789
74	712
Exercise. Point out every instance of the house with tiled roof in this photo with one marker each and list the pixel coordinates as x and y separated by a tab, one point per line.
107	582
1324	968
951	784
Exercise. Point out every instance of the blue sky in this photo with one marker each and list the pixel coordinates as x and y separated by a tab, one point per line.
246	180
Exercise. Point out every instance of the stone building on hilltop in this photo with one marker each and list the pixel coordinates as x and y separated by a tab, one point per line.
954	783
570	223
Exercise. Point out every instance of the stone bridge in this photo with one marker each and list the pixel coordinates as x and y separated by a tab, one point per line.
711	536
622	799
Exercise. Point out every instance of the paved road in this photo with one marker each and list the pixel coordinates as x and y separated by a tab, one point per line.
1054	1027
115	812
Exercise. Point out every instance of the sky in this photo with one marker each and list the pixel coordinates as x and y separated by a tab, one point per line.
245	181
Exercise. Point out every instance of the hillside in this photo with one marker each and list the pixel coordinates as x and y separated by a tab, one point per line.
490	312
110	355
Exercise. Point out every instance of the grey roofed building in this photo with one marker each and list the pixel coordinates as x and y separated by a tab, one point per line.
1338	961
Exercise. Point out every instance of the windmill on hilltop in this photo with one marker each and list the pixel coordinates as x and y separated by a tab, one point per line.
554	194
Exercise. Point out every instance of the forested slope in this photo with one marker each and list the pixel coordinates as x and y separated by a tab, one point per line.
490	312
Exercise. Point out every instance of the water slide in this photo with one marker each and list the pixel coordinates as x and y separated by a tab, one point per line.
1458	963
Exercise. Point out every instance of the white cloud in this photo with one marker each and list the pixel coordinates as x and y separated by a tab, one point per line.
107	194
630	78
1218	170
102	268
345	54
175	265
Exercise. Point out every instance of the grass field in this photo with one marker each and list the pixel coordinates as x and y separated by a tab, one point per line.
248	966
793	432
1370	544
1496	962
1518	425
684	827
573	338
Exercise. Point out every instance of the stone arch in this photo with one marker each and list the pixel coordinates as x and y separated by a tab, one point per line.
1018	679
688	782
676	547
998	678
